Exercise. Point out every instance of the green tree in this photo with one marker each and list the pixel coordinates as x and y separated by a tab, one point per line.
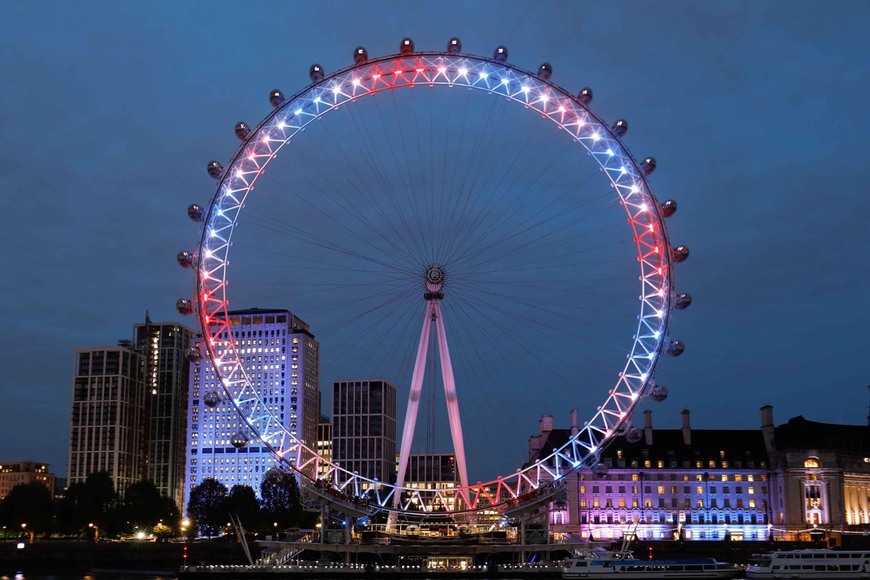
29	504
242	501
208	507
144	507
280	498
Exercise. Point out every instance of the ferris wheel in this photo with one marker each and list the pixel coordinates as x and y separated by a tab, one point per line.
463	191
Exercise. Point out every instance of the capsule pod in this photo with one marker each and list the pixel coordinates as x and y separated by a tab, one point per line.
215	169
239	440
679	254
276	97
584	97
211	399
599	470
659	393
407	46
545	71
500	54
360	55
668	208
454	45
676	348
682	301
184	306
193	354
633	435
315	73
620	128
185	259
648	165
242	131
195	212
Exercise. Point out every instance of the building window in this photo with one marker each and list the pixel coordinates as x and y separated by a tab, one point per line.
812	463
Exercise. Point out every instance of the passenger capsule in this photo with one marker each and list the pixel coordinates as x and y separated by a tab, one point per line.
682	301
648	165
195	212
620	128
407	46
239	440
276	97
584	97
500	54
360	55
676	348
211	399
669	208
185	259
633	435
599	470
679	254
242	131
184	306
545	71
215	169
193	354
659	393
454	45
316	73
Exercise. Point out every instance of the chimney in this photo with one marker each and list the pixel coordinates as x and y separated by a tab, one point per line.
647	427
546	424
575	427
767	428
687	429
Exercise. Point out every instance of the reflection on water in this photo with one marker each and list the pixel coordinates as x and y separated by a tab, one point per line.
36	576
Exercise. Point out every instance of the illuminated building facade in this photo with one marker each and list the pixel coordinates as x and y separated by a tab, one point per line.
820	478
364	428
22	473
165	372
281	358
105	423
672	483
433	471
324	446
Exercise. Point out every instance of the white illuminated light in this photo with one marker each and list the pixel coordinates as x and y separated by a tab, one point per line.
212	234
282	124
644	207
610	152
596	137
634	188
623	170
657	334
298	111
544	98
504	81
561	109
484	75
266	139
524	89
659	313
356	82
442	70
336	90
463	71
317	100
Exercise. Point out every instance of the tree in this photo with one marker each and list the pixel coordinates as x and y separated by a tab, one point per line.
242	501
92	502
280	498
208	506
144	507
28	504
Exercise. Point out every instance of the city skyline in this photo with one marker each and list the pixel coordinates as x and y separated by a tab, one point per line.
755	125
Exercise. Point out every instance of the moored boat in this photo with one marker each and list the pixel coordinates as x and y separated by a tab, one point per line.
623	564
845	564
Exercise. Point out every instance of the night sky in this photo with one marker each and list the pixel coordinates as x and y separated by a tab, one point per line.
755	111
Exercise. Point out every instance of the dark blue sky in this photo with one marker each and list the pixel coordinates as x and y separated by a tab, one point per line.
755	111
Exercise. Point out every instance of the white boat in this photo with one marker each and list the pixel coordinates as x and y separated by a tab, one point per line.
845	564
623	564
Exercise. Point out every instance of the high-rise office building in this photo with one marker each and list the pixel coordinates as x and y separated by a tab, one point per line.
165	374
436	471
364	428
281	358
105	423
324	446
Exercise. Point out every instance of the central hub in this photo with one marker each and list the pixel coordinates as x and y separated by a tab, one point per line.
434	283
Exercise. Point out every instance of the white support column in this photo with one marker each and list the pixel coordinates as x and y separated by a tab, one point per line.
450	396
414	400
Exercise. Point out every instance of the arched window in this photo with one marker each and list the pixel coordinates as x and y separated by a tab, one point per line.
812	463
